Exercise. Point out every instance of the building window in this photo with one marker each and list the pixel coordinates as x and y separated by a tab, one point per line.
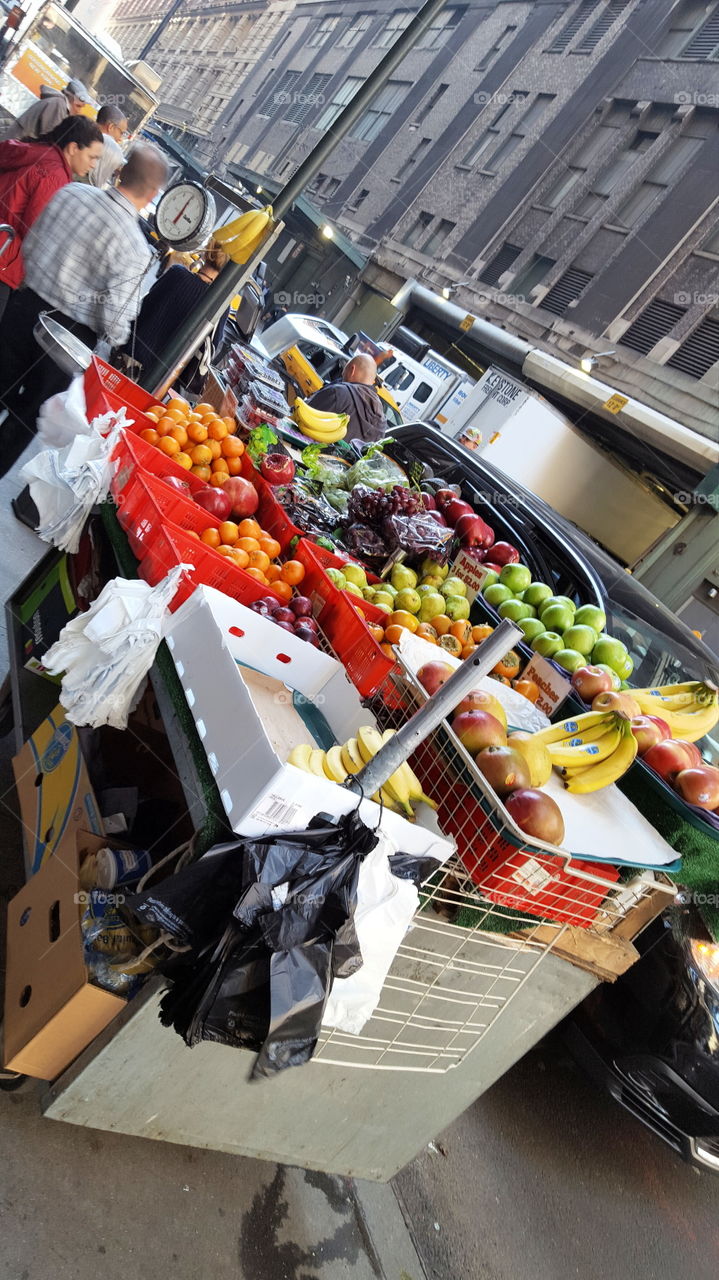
686	22
486	139
371	124
582	160
613	174
699	351
279	96
411	161
359	199
599	29
664	174
566	290
437	34
431	102
305	101
342	96
582	14
332	187
418	229
523	126
486	61
532	275
705	45
652	324
396	22
439	236
322	32
500	263
355	31
710	246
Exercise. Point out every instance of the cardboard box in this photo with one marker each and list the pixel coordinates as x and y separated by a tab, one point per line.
52	1011
42	614
248	720
54	790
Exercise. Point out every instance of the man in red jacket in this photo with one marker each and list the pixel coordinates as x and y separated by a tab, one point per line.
30	174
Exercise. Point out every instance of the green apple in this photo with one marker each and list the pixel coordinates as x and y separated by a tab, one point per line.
431	607
547	644
616	682
611	652
536	593
353	590
337	577
556	617
453	587
515	576
516	609
563	600
627	668
590	615
408	599
402	577
570	659
356	574
581	638
430	568
384	597
490	576
456	607
532	627
497	594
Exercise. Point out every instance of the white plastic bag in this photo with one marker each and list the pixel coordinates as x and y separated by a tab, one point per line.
66	483
64	416
106	652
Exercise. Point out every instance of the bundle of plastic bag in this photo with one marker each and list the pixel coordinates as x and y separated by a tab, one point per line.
66	483
64	416
106	653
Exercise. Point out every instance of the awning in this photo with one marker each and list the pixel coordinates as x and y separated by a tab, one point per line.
304	207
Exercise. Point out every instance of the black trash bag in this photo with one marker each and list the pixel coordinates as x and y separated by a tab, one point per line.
406	866
260	963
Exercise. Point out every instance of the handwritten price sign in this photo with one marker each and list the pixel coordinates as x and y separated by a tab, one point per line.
553	688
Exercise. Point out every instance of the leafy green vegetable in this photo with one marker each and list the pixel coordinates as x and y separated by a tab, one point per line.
259	442
310	459
327	543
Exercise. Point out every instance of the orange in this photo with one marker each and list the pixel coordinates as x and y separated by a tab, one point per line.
178	403
248	544
196	431
388	651
204	408
165	425
293	571
259	560
467	649
194	417
230	423
427	632
159	410
527	688
202	473
219	464
169	446
401	618
224	550
201	455
451	644
258	575
282	589
191	534
273	573
441	624
179	434
149	435
241	557
481	632
228	531
463	632
153	416
215	450
270	546
217	429
211	536
183	460
376	631
232	447
250	529
178	414
393	633
217	479
234	466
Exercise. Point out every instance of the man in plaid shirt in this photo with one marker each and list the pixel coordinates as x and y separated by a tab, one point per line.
86	263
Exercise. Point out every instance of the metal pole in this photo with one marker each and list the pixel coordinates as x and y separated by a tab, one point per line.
407	739
162	24
232	277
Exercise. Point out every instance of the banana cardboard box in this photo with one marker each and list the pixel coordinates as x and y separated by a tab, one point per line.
54	791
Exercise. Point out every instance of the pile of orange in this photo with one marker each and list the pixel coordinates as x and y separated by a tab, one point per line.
200	440
248	546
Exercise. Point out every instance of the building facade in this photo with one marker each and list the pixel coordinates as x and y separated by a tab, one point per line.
554	164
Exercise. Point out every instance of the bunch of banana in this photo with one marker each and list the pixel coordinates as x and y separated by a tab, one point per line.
401	791
690	709
241	238
590	751
323	427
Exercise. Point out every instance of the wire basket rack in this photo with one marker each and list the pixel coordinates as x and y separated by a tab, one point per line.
487	918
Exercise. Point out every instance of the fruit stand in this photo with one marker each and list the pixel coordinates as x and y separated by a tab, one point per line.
323	605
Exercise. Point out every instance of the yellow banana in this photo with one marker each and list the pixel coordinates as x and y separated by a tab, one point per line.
322	437
334	767
409	777
608	771
243	235
691	725
317	767
590	755
300	757
351	756
573	727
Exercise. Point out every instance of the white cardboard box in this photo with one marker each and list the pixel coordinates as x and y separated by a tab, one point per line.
248	723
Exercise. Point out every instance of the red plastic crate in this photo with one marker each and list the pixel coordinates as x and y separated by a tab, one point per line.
365	663
107	389
147	502
133	454
172	546
274	519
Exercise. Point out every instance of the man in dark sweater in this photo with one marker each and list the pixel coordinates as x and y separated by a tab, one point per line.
356	396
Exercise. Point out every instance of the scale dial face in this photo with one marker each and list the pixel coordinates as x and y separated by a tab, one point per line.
185	214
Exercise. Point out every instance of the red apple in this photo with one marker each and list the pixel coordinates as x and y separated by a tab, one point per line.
472	530
537	814
242	495
504	553
670	757
428	502
453	510
303	632
285	615
612	701
478	729
590	681
648	730
434	674
489	564
699	786
504	769
438	518
443	497
301	606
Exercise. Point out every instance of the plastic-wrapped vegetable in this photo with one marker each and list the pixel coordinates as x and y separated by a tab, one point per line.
374	470
365	543
418	535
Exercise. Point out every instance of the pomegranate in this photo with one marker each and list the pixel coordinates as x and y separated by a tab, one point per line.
214	501
242	495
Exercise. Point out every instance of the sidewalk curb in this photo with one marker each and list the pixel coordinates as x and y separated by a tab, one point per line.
384	1222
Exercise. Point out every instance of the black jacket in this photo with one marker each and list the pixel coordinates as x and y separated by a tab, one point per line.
362	403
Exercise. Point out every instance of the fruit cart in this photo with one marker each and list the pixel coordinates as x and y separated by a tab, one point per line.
509	933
